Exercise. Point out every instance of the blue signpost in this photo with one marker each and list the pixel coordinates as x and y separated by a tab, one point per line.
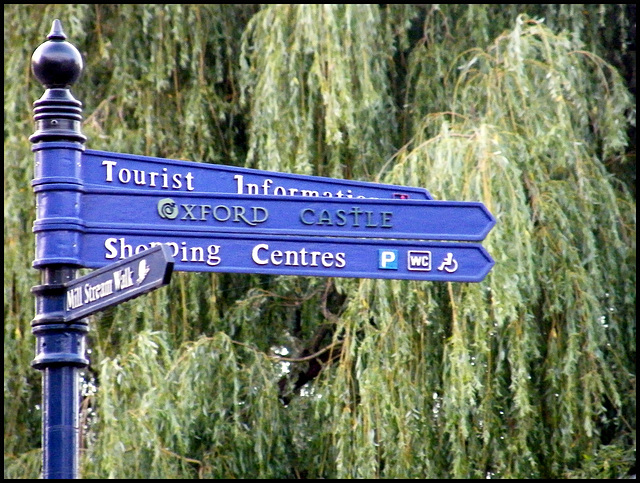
137	218
60	346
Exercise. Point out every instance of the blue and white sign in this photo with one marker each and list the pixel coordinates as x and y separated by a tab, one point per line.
296	255
290	215
159	175
387	259
118	281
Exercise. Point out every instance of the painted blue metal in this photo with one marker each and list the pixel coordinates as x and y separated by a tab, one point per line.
118	282
229	213
296	255
104	169
60	418
58	226
60	347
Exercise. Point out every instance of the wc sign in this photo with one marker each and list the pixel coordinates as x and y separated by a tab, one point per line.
418	260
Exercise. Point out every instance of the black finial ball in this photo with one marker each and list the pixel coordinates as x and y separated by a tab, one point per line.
56	63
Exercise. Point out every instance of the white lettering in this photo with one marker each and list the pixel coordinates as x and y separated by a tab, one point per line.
139	177
189	178
177	181
212	258
276	257
293	258
267	186
111	251
165	183
239	178
124	175
74	298
254	254
309	193
119	248
109	165
123	278
98	291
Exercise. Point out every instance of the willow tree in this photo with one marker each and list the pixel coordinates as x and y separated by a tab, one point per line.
528	374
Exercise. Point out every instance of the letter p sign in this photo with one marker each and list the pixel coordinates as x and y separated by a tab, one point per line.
388	259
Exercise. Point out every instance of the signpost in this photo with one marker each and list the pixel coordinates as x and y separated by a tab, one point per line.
137	218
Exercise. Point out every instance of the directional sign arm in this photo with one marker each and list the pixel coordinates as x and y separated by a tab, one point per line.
145	173
118	282
295	255
229	213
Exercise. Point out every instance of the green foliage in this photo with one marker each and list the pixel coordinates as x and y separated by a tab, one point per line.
528	374
329	64
207	409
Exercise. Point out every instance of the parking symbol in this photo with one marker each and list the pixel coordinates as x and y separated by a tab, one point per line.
388	259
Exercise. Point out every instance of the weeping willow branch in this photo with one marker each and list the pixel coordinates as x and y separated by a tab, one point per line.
183	458
309	357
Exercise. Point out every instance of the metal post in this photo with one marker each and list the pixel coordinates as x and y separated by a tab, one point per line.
60	347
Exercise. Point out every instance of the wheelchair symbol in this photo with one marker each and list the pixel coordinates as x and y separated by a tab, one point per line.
449	264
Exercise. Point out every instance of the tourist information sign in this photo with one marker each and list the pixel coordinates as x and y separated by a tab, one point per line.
296	255
290	215
118	282
114	170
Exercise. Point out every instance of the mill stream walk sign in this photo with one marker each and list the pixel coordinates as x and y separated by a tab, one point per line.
137	218
118	282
